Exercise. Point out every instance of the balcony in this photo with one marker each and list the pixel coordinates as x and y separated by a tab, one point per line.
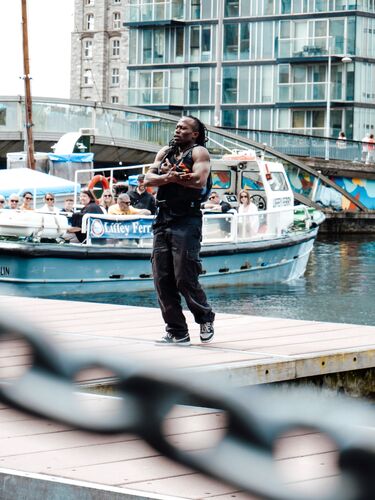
156	96
311	48
306	92
160	13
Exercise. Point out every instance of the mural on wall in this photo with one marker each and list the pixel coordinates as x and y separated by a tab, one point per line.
361	189
301	182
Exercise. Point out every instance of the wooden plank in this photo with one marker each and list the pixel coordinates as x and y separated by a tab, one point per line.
246	350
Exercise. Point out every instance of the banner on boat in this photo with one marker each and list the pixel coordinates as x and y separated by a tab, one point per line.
106	228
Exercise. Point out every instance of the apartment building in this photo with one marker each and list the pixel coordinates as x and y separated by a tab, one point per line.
305	66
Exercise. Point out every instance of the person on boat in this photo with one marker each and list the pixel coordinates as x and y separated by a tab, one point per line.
68	206
123	207
49	205
2	202
140	198
88	200
248	226
106	200
214	204
27	203
13	201
181	172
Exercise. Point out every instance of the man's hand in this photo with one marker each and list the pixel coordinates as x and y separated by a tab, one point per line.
166	166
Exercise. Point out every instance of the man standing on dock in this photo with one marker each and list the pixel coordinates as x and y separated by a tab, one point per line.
182	174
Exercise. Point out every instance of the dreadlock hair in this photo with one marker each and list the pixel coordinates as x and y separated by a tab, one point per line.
201	128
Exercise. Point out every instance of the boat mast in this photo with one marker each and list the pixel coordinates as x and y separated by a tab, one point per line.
28	102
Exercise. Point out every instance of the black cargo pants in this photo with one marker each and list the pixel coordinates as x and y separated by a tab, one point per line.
176	268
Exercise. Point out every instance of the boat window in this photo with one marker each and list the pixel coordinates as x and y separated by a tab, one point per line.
252	180
278	182
221	179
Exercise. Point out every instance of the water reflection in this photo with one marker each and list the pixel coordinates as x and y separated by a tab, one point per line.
339	286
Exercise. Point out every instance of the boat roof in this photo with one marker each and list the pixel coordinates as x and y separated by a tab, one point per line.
19	180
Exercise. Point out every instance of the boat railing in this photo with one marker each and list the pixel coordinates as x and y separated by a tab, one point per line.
136	232
233	227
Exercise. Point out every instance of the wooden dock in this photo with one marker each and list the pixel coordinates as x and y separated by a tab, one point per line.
44	459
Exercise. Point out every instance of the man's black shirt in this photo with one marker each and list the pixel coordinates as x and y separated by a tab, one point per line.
143	200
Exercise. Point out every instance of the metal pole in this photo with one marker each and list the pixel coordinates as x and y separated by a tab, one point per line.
218	75
328	97
28	102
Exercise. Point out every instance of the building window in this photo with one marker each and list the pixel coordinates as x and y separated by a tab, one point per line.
194	86
87	49
116	20
195	9
115	48
230	84
87	77
232	8
115	76
90	22
153	46
230	41
89	2
194	43
179	49
114	99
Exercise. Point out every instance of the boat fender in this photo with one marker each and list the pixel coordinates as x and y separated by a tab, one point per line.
96	179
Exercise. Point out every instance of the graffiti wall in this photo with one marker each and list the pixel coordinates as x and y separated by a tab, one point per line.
361	189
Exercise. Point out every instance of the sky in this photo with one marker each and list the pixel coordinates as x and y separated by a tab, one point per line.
50	23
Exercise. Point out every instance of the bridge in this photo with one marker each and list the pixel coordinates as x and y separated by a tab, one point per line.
129	136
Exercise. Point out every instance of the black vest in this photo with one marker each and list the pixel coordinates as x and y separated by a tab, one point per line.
176	200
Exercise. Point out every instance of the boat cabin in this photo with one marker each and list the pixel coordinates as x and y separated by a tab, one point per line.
266	182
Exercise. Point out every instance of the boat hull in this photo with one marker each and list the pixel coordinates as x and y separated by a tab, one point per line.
44	269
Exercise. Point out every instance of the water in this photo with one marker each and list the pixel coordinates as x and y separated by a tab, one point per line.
339	286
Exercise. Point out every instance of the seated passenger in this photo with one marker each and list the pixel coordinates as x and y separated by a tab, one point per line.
106	201
49	205
68	206
27	203
88	200
215	205
13	201
248	225
123	207
2	201
140	198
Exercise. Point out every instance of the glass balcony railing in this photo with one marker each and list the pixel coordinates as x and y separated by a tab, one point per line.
309	91
310	47
142	12
158	96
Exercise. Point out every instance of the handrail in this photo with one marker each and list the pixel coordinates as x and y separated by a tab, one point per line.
228	235
171	119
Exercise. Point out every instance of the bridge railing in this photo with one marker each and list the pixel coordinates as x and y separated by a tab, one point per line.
120	124
306	145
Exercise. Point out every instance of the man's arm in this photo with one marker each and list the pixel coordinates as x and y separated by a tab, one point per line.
153	178
201	170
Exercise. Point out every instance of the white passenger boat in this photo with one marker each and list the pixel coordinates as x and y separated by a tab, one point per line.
35	260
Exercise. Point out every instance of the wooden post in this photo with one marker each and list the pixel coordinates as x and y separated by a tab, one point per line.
28	101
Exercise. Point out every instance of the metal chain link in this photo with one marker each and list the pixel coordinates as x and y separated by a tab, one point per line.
244	455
